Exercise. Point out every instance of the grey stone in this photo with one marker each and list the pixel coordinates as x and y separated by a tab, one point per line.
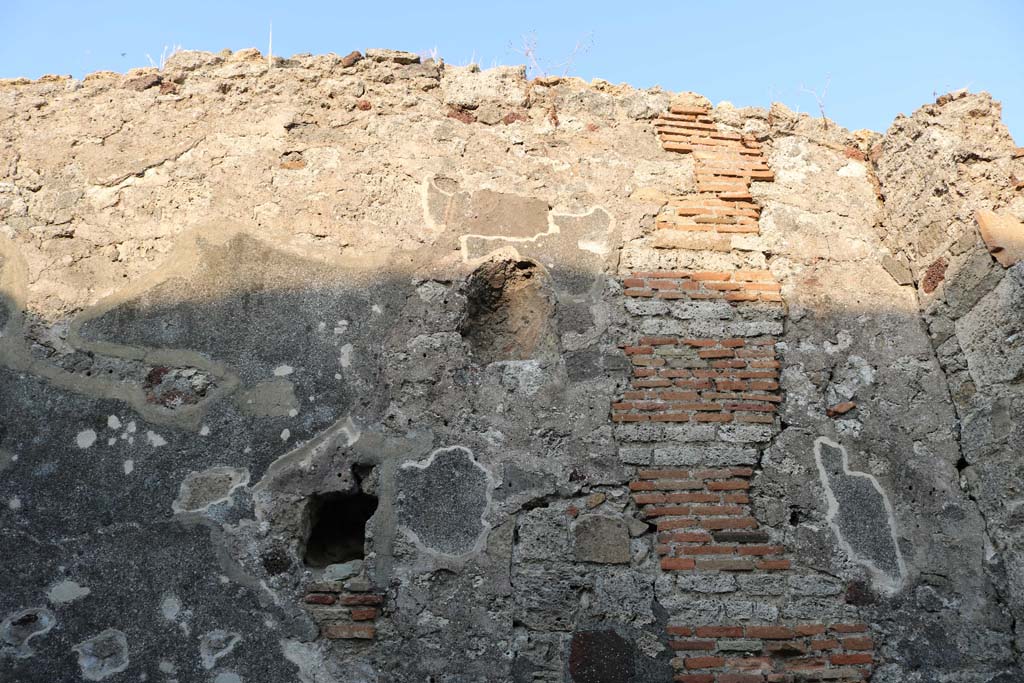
601	539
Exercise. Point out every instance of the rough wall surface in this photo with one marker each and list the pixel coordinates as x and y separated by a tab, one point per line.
367	369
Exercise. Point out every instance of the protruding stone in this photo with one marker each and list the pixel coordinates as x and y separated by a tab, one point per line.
1003	235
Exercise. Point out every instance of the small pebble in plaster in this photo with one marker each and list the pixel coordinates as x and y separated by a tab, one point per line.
376	308
103	655
131	428
129	466
286	434
85	438
293	412
204	430
155	440
345	357
111	441
283	370
170	606
113	422
14	503
337	375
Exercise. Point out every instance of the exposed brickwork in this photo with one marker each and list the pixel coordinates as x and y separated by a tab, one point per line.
771	653
705	521
743	285
701	380
708	536
343	613
725	164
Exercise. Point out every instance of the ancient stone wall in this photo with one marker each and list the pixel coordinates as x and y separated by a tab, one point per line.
365	368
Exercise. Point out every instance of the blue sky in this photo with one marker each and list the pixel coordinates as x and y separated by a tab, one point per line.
877	58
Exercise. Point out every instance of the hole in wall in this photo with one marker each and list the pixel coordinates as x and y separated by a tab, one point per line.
338	527
510	312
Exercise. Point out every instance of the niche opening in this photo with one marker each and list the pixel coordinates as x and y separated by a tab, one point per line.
338	527
510	312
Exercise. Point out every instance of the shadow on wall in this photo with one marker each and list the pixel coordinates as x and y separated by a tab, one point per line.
265	367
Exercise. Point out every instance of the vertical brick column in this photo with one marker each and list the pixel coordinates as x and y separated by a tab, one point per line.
699	411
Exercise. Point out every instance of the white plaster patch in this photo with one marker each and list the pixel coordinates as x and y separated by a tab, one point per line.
113	422
14	503
376	308
293	412
283	370
345	356
888	584
155	440
131	428
85	438
286	434
66	591
854	169
129	466
204	430
215	645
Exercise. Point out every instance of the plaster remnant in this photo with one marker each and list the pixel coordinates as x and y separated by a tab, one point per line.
860	514
273	398
113	422
85	438
155	440
14	503
345	356
216	644
18	629
66	591
283	370
170	607
204	430
286	434
227	677
103	655
129	466
200	490
449	479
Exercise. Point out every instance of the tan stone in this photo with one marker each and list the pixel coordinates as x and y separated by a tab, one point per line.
1003	235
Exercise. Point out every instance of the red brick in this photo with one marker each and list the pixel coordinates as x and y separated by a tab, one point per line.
685	537
713	417
823	644
364	599
716	353
694	678
858	643
320	599
717	275
774	564
632	350
680	630
633	283
364	613
730	485
849	628
859	658
704	662
709	550
676	563
677	523
740	498
349	631
657	341
719	631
